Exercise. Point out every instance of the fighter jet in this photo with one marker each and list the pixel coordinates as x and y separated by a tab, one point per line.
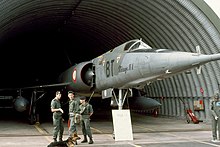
121	72
132	65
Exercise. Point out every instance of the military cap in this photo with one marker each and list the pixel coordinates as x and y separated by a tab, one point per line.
70	92
82	98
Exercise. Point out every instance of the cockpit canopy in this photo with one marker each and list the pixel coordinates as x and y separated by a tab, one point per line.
140	46
136	45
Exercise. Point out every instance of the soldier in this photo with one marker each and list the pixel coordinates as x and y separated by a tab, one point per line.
86	111
73	110
215	111
57	117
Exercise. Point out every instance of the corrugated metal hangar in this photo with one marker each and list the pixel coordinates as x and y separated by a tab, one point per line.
104	24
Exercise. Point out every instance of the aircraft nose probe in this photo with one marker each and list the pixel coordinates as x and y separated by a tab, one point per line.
202	59
206	58
215	57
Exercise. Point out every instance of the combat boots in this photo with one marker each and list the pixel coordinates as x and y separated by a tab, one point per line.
60	138
90	140
84	140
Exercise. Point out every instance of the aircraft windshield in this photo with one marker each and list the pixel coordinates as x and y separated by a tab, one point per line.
136	45
153	50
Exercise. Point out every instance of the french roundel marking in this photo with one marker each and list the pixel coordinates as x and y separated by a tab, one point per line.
74	75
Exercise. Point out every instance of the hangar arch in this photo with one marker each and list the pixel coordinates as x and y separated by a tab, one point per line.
102	25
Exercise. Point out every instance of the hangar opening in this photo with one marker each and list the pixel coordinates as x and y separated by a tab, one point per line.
40	39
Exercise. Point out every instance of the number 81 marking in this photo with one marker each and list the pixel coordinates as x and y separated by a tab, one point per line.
109	68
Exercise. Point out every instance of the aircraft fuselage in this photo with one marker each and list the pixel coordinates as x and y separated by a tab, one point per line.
132	65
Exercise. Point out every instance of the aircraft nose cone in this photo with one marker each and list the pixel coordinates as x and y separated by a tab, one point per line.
184	61
202	59
215	57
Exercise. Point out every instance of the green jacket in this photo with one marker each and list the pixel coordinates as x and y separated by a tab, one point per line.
85	110
73	107
55	104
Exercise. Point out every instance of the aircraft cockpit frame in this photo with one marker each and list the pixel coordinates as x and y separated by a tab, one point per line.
140	46
136	45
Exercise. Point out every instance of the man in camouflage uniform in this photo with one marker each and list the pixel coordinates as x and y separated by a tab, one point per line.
215	111
57	117
73	110
86	111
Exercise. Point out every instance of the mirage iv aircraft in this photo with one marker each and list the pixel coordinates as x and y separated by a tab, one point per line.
121	72
130	66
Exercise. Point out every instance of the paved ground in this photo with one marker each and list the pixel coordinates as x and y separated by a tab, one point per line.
148	131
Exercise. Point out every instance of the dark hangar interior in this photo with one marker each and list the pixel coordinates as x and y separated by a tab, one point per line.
40	39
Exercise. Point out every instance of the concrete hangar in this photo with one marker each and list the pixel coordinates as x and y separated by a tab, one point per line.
97	26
